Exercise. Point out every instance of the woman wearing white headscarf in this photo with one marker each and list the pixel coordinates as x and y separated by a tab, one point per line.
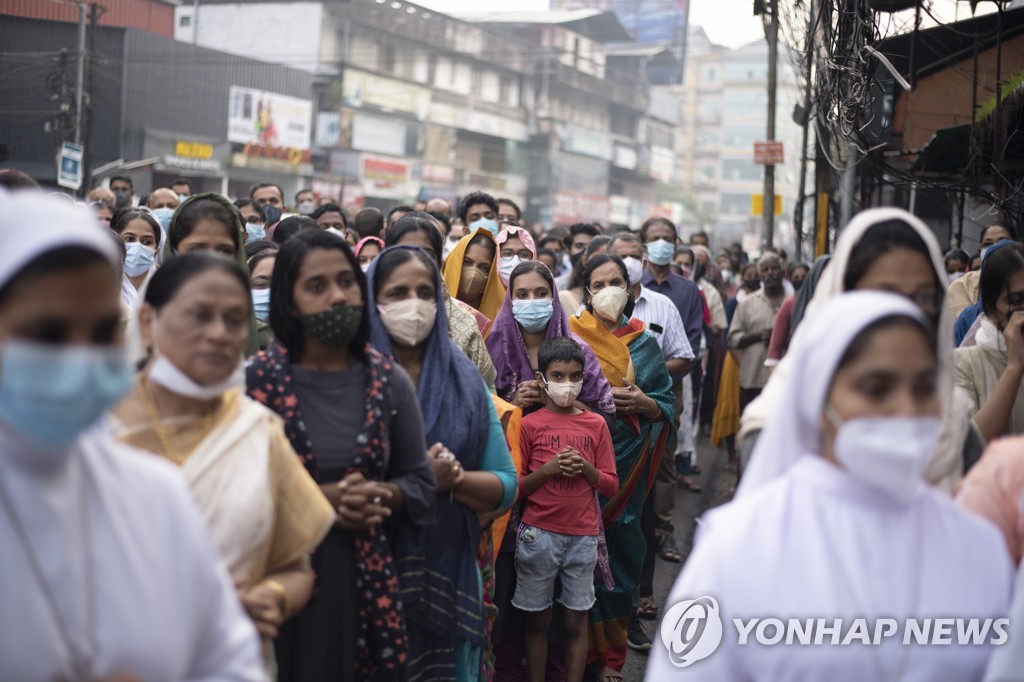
888	249
832	519
108	569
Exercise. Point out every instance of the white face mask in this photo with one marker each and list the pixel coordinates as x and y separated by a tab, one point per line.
164	373
888	453
506	266
989	337
609	303
635	268
409	322
563	393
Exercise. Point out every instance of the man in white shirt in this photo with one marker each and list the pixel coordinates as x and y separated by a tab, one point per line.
108	570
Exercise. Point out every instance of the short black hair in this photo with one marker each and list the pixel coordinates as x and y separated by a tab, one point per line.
286	324
330	208
550	239
291	226
957	254
369	223
303	191
182	181
583	228
651	222
559	349
401	208
123	178
514	205
550	254
261	185
172	275
472	199
445	221
416	221
242	203
16	179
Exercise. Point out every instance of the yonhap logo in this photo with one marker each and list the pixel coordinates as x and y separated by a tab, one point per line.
691	631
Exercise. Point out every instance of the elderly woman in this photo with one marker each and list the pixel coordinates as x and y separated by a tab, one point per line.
263	509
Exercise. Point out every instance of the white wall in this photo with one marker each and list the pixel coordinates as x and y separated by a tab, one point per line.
283	33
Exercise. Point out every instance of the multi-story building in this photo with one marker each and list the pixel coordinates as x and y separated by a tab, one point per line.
724	103
651	24
410	104
157	109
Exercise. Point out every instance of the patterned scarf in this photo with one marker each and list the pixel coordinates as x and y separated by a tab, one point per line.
382	643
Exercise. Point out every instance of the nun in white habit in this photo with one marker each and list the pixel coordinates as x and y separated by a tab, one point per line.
947	466
833	520
107	571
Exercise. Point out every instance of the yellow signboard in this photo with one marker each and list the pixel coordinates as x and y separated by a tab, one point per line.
193	150
757	204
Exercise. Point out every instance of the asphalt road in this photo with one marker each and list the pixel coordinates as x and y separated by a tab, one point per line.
718	479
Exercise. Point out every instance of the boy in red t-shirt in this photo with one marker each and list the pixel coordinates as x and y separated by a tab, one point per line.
567	454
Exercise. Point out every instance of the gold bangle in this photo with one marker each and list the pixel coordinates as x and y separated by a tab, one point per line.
284	603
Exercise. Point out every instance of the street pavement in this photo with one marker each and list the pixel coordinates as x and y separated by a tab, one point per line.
718	479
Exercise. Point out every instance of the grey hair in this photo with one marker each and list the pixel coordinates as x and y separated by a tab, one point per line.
769	258
625	236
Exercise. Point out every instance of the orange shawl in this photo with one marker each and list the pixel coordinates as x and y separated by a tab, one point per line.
494	290
611	348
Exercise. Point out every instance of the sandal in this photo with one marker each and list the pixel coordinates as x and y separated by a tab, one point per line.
609	675
668	551
647	609
689	485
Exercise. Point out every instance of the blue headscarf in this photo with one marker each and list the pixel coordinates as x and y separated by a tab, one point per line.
456	412
971	313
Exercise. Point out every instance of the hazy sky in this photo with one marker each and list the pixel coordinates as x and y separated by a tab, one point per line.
727	22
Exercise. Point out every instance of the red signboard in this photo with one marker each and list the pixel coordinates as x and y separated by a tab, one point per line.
768	153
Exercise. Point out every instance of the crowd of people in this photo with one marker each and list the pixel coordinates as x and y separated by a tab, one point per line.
439	444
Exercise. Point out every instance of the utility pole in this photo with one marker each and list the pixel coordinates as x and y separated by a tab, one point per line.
798	219
769	169
83	9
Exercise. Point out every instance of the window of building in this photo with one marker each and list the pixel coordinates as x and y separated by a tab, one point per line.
741	169
736	204
184	21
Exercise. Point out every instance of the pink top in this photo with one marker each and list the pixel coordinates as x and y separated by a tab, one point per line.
994	488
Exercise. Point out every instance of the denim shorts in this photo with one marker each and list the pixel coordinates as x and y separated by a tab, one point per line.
543	556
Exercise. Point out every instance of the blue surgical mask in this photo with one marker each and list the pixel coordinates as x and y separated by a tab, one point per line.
256	231
51	393
163	216
534	314
182	198
660	252
261	304
491	225
138	259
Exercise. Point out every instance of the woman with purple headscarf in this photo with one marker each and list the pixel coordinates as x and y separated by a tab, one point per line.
532	313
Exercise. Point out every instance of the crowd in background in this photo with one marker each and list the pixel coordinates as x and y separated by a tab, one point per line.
436	443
